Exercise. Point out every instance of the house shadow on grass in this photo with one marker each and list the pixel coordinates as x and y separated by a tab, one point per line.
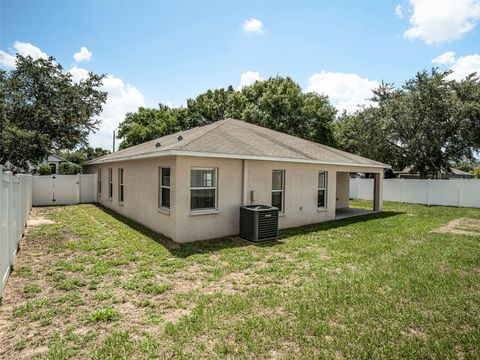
231	242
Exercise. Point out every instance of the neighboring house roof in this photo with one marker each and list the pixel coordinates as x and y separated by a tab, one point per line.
239	140
460	172
53	157
453	171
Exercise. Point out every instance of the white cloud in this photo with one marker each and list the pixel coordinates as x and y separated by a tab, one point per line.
465	65
7	60
78	73
248	78
25	49
83	55
461	66
447	58
122	98
398	11
346	91
436	21
253	25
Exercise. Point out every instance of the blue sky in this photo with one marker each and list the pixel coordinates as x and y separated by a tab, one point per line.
161	51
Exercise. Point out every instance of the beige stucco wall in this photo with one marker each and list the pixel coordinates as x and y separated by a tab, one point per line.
182	225
343	190
140	192
191	226
301	183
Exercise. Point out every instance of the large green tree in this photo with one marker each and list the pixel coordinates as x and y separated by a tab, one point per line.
147	124
42	110
428	124
277	103
83	154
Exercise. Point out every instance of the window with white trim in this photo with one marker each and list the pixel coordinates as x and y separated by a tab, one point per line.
121	191
322	190
278	189
203	189
164	188
110	183
99	176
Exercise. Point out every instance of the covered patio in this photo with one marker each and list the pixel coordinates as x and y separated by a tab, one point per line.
343	209
350	212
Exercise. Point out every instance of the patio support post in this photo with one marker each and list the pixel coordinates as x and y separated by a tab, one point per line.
377	192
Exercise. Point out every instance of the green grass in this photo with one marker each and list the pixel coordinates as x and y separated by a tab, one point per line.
103	315
470	228
378	286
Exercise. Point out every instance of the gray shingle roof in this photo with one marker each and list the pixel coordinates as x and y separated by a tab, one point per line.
241	140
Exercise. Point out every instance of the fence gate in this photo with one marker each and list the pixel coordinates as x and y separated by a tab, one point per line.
63	189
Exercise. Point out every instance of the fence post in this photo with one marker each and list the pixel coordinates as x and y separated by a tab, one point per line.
1	205
78	188
459	190
356	188
19	207
10	228
401	190
428	192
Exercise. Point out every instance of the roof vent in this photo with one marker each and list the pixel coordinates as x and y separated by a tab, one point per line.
179	137
157	145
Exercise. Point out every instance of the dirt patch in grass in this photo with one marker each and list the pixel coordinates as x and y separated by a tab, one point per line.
462	226
37	218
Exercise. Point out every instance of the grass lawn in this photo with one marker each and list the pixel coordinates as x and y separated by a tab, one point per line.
96	285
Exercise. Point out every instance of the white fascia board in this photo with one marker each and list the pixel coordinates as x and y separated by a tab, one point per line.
230	156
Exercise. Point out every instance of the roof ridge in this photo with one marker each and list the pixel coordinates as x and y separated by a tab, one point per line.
324	147
217	125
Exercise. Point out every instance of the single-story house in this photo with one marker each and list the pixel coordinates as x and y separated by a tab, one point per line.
190	185
54	162
51	160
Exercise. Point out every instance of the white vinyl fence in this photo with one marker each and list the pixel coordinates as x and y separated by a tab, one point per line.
15	205
458	192
64	189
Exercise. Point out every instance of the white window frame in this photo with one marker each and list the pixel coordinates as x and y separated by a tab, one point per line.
161	187
205	188
99	181
282	191
121	185
110	183
325	188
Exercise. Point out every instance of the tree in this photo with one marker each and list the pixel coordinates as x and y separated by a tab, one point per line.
68	168
44	169
42	110
277	103
428	124
211	106
76	157
367	133
148	124
93	153
84	154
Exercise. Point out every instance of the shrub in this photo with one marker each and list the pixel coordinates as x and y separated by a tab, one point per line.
67	168
44	169
476	172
